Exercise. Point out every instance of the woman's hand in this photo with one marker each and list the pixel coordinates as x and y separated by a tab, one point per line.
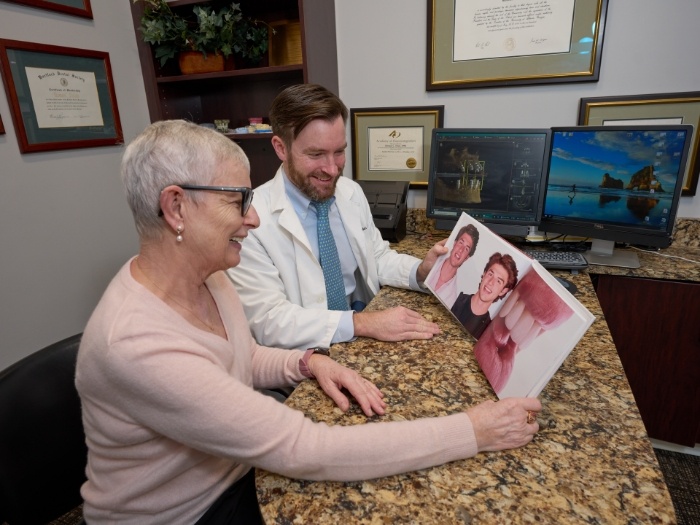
332	377
505	424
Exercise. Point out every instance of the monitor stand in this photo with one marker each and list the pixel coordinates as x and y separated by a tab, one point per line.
604	253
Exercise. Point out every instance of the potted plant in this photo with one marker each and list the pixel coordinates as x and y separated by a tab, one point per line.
203	37
252	40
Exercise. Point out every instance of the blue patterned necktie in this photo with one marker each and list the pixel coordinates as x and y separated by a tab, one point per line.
330	263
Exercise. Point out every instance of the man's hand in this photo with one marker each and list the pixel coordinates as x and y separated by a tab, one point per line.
333	377
435	252
395	324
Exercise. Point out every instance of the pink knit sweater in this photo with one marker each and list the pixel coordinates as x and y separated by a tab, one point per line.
172	418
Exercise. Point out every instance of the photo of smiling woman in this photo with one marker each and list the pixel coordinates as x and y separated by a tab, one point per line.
443	279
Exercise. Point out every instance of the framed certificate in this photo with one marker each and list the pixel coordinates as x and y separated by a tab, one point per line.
660	108
393	144
60	97
80	8
486	43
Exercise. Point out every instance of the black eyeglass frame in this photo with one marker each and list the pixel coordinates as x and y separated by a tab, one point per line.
247	193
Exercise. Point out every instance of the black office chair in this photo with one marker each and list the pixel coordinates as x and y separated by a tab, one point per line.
42	443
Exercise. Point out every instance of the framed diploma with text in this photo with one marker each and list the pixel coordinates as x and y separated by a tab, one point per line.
393	144
80	8
487	43
60	97
660	108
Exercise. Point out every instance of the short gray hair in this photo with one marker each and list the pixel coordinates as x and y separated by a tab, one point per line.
171	152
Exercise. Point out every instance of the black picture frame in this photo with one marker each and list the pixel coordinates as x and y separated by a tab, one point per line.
81	90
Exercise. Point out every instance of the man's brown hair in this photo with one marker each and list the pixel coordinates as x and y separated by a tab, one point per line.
295	107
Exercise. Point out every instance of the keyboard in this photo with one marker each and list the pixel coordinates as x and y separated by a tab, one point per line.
559	260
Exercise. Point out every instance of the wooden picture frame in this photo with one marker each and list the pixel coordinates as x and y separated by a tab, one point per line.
60	97
393	144
81	8
660	108
490	43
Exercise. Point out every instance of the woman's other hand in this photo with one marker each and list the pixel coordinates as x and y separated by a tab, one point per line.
333	377
505	424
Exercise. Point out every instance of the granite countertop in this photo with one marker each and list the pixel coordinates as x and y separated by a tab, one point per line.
680	261
591	461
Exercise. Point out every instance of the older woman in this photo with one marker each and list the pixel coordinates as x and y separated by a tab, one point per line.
167	368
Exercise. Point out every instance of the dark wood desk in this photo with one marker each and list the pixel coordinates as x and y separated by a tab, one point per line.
591	462
654	317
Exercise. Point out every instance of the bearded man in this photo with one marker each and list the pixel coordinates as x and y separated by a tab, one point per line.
302	286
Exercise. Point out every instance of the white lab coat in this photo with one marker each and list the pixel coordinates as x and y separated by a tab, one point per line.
280	280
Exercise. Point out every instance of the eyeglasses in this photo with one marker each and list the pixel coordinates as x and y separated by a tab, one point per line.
246	193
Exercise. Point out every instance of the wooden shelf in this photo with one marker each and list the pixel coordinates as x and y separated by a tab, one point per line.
180	3
249	136
259	73
240	93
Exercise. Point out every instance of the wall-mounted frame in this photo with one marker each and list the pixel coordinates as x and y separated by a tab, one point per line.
60	97
487	43
661	108
80	8
393	144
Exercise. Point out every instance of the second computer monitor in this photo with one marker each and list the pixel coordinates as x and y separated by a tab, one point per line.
616	184
495	175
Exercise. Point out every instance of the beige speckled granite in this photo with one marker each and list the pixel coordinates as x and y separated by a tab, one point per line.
591	462
681	261
416	221
687	233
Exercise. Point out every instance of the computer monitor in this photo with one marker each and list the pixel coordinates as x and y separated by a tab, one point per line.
615	184
494	175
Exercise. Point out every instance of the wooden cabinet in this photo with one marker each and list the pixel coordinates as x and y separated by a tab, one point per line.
243	92
656	328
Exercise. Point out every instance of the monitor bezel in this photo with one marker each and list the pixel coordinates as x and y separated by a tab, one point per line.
519	226
618	233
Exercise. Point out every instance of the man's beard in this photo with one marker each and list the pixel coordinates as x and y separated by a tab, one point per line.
302	182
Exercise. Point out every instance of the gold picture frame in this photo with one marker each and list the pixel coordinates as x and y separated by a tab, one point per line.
661	108
493	43
393	144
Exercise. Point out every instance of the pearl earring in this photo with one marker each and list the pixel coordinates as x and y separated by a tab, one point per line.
179	234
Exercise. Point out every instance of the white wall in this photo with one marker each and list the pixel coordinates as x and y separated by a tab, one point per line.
65	227
649	47
64	224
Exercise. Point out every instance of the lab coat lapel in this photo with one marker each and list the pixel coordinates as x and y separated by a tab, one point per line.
286	216
308	268
351	213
